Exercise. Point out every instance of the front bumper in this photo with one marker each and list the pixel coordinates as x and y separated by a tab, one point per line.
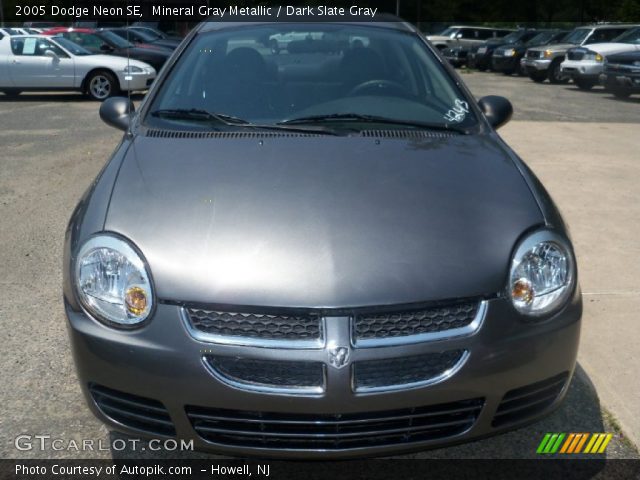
586	70
504	64
136	80
533	65
164	362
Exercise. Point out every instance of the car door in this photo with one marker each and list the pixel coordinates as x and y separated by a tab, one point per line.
31	67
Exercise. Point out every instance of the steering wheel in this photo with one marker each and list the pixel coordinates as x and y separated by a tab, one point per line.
381	87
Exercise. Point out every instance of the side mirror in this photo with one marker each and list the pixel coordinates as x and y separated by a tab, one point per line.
459	35
116	112
51	54
498	110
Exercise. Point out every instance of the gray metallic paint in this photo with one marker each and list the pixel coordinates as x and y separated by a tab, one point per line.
317	222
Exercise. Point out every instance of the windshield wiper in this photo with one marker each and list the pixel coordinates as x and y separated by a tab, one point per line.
358	117
198	115
201	115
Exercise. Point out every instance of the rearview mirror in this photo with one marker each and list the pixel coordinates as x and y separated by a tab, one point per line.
116	112
497	110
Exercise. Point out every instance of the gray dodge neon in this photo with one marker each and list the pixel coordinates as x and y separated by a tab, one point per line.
322	250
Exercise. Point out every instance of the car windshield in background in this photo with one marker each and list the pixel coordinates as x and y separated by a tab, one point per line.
115	40
577	36
513	37
333	76
74	48
541	38
151	34
632	36
141	36
448	32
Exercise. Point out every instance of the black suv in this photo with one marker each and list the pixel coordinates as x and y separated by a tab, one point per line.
480	56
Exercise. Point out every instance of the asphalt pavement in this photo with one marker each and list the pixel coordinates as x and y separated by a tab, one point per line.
583	145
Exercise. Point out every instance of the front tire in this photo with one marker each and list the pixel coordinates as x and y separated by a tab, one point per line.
584	84
101	85
621	92
555	75
11	92
538	77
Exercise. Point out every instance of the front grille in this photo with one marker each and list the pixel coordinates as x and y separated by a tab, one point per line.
575	55
406	323
406	372
534	54
333	431
135	412
262	374
233	327
525	402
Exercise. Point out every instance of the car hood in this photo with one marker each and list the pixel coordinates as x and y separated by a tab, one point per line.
625	57
556	47
112	61
322	221
609	48
439	38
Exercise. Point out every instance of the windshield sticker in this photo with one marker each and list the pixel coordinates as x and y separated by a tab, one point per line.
459	111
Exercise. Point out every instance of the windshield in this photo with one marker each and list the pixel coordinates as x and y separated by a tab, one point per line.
577	36
541	38
513	37
152	34
115	40
631	36
447	32
271	74
141	36
68	45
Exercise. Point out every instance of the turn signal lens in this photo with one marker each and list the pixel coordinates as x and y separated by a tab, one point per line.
547	53
136	300
599	57
522	291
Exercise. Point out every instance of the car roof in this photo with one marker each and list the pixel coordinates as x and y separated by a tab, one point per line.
387	21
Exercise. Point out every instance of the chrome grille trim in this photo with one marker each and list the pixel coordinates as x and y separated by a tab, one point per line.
317	343
226	375
467	330
445	375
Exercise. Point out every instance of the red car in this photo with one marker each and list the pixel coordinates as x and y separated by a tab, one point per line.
106	42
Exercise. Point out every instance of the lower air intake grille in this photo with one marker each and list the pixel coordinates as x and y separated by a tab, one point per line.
333	431
405	372
135	412
525	402
253	374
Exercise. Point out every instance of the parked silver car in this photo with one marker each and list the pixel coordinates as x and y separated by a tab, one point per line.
324	253
543	63
465	36
43	63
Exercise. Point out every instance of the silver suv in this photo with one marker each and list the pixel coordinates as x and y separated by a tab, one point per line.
544	62
461	36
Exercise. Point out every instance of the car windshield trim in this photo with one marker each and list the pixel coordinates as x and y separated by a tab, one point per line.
361	118
221	119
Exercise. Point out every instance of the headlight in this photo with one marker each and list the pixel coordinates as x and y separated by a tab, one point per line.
542	273
112	281
132	69
593	56
548	53
509	53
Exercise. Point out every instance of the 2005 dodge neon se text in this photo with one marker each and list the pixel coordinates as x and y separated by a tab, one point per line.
320	250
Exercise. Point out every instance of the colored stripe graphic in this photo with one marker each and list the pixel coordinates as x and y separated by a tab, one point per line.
573	443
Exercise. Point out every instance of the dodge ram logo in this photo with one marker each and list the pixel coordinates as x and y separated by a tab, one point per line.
339	356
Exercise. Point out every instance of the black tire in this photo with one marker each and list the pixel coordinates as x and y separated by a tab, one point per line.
538	77
101	85
584	84
11	92
555	75
621	92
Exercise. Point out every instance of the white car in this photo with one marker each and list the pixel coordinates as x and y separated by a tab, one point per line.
38	62
584	65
